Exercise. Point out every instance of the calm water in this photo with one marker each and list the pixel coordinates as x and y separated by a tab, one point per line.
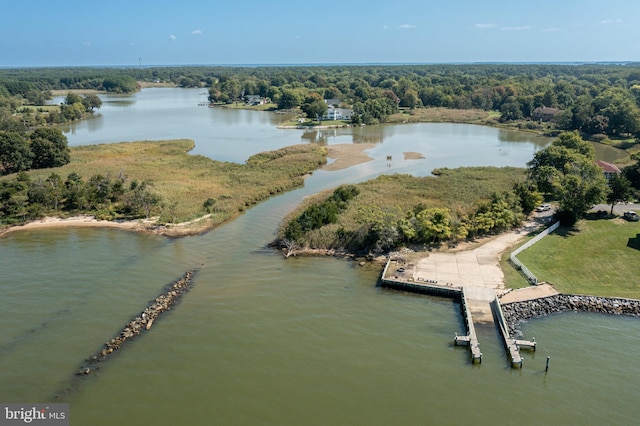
261	340
234	135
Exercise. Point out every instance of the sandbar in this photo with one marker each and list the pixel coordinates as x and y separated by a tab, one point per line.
347	155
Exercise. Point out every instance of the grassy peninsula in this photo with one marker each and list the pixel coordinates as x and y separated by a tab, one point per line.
188	187
394	210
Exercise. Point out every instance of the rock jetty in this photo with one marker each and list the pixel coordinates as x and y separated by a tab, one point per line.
142	322
518	312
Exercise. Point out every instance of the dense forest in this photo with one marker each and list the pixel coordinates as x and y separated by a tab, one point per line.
593	99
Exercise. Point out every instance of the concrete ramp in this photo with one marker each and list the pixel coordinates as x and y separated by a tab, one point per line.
479	302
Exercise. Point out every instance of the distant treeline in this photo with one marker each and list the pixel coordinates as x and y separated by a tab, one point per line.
594	99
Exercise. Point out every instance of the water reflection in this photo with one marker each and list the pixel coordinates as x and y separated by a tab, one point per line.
119	103
234	135
516	136
370	134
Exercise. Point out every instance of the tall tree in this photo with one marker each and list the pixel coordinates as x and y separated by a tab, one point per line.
50	149
15	153
314	106
91	102
566	168
620	190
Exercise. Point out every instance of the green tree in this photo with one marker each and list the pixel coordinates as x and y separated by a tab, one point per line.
528	195
566	168
91	102
620	109
120	84
289	98
75	197
620	190
511	111
15	153
433	224
50	149
314	106
72	98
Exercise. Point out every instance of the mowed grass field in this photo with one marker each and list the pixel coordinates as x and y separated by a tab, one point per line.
597	257
185	182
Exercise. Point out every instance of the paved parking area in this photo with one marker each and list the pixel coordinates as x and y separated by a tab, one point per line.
478	267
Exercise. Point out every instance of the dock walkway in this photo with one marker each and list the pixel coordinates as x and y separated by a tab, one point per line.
479	304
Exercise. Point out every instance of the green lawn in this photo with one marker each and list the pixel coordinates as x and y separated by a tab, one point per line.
594	258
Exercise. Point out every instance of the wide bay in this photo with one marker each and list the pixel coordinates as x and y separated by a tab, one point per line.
261	340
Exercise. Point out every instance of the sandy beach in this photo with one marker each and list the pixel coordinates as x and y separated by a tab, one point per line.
78	221
347	155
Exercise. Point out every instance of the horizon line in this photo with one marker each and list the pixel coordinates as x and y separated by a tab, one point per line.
320	64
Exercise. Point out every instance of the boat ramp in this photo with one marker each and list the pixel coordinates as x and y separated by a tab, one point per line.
478	303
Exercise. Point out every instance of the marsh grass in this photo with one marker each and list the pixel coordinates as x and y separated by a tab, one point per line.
598	257
456	189
185	182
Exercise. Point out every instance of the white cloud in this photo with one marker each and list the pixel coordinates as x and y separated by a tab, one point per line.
551	29
611	21
172	37
523	28
196	32
485	26
87	44
385	27
406	26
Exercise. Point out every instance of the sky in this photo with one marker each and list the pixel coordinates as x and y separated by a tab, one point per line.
245	32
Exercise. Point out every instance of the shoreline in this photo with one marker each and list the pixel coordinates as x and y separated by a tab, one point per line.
89	221
519	312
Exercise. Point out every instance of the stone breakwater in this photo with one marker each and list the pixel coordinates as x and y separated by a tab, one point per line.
518	312
143	322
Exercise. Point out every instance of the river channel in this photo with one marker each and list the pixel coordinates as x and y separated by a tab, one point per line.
264	340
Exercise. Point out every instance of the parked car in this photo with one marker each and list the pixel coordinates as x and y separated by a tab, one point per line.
543	208
631	216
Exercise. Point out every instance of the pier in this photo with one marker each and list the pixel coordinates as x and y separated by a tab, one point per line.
478	303
511	345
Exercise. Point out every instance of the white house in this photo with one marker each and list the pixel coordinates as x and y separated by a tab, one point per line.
334	113
255	100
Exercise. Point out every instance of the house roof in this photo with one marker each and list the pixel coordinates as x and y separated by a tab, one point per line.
546	110
608	167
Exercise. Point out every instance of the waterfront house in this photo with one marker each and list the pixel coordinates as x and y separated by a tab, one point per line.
609	169
544	113
255	100
334	113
